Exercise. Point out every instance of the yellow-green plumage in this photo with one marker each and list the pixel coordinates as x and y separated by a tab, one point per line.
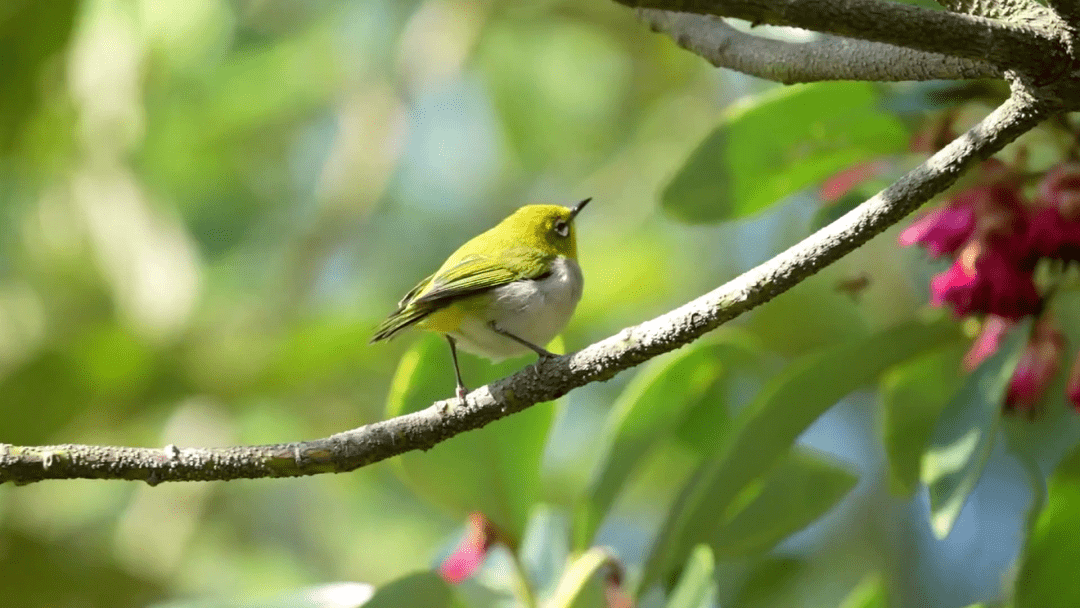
519	278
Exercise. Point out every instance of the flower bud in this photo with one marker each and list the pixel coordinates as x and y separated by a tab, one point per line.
470	552
985	280
991	334
1036	368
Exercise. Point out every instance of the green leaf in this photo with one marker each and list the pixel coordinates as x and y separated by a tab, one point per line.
425	589
765	430
771	583
494	470
696	582
650	408
800	489
913	397
1053	550
577	576
778	144
869	593
964	435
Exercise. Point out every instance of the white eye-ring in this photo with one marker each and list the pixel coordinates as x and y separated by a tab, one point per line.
562	228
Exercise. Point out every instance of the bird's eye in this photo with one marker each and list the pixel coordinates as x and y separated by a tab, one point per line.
562	228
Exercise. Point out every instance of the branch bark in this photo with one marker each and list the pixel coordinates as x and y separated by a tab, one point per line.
827	58
555	377
1069	10
1027	47
1006	10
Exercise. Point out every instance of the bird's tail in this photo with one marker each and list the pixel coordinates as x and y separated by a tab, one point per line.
400	319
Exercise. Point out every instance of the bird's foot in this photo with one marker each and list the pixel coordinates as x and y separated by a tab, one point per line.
461	392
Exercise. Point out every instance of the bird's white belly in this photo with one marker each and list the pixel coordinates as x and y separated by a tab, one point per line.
533	310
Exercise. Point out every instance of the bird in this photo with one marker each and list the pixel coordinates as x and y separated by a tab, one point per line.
505	292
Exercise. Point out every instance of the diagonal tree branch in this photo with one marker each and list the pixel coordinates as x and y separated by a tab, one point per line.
1006	10
1069	10
827	58
1029	47
555	377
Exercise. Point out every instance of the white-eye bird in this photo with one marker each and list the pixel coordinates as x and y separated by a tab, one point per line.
503	293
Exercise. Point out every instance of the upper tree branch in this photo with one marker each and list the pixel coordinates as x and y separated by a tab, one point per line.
1026	47
1069	10
827	58
1007	10
630	347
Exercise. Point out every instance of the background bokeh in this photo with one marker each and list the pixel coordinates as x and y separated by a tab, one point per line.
208	205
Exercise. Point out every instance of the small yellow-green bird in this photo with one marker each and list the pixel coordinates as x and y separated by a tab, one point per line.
505	292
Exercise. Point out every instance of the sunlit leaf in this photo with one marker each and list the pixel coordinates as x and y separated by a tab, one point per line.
775	145
869	593
1053	550
800	489
965	433
912	397
585	568
765	430
650	408
333	595
695	584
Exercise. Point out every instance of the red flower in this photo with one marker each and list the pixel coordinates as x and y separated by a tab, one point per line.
470	552
993	331
1036	368
1060	189
983	279
943	230
989	212
1053	235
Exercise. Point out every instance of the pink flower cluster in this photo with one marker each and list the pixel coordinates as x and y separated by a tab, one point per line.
996	239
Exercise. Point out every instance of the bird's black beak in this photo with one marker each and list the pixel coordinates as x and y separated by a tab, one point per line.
576	209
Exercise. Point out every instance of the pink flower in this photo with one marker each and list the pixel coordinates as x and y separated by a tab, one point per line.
470	552
993	331
985	280
842	182
1052	235
943	230
1036	368
1060	189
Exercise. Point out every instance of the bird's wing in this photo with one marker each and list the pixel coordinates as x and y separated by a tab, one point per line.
475	273
458	278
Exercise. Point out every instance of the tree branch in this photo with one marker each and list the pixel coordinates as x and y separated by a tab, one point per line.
1027	47
554	377
1069	10
1006	10
827	58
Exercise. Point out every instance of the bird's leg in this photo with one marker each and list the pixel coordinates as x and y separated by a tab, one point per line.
544	354
461	390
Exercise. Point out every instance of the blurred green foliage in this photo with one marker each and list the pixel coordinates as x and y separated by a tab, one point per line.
209	204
